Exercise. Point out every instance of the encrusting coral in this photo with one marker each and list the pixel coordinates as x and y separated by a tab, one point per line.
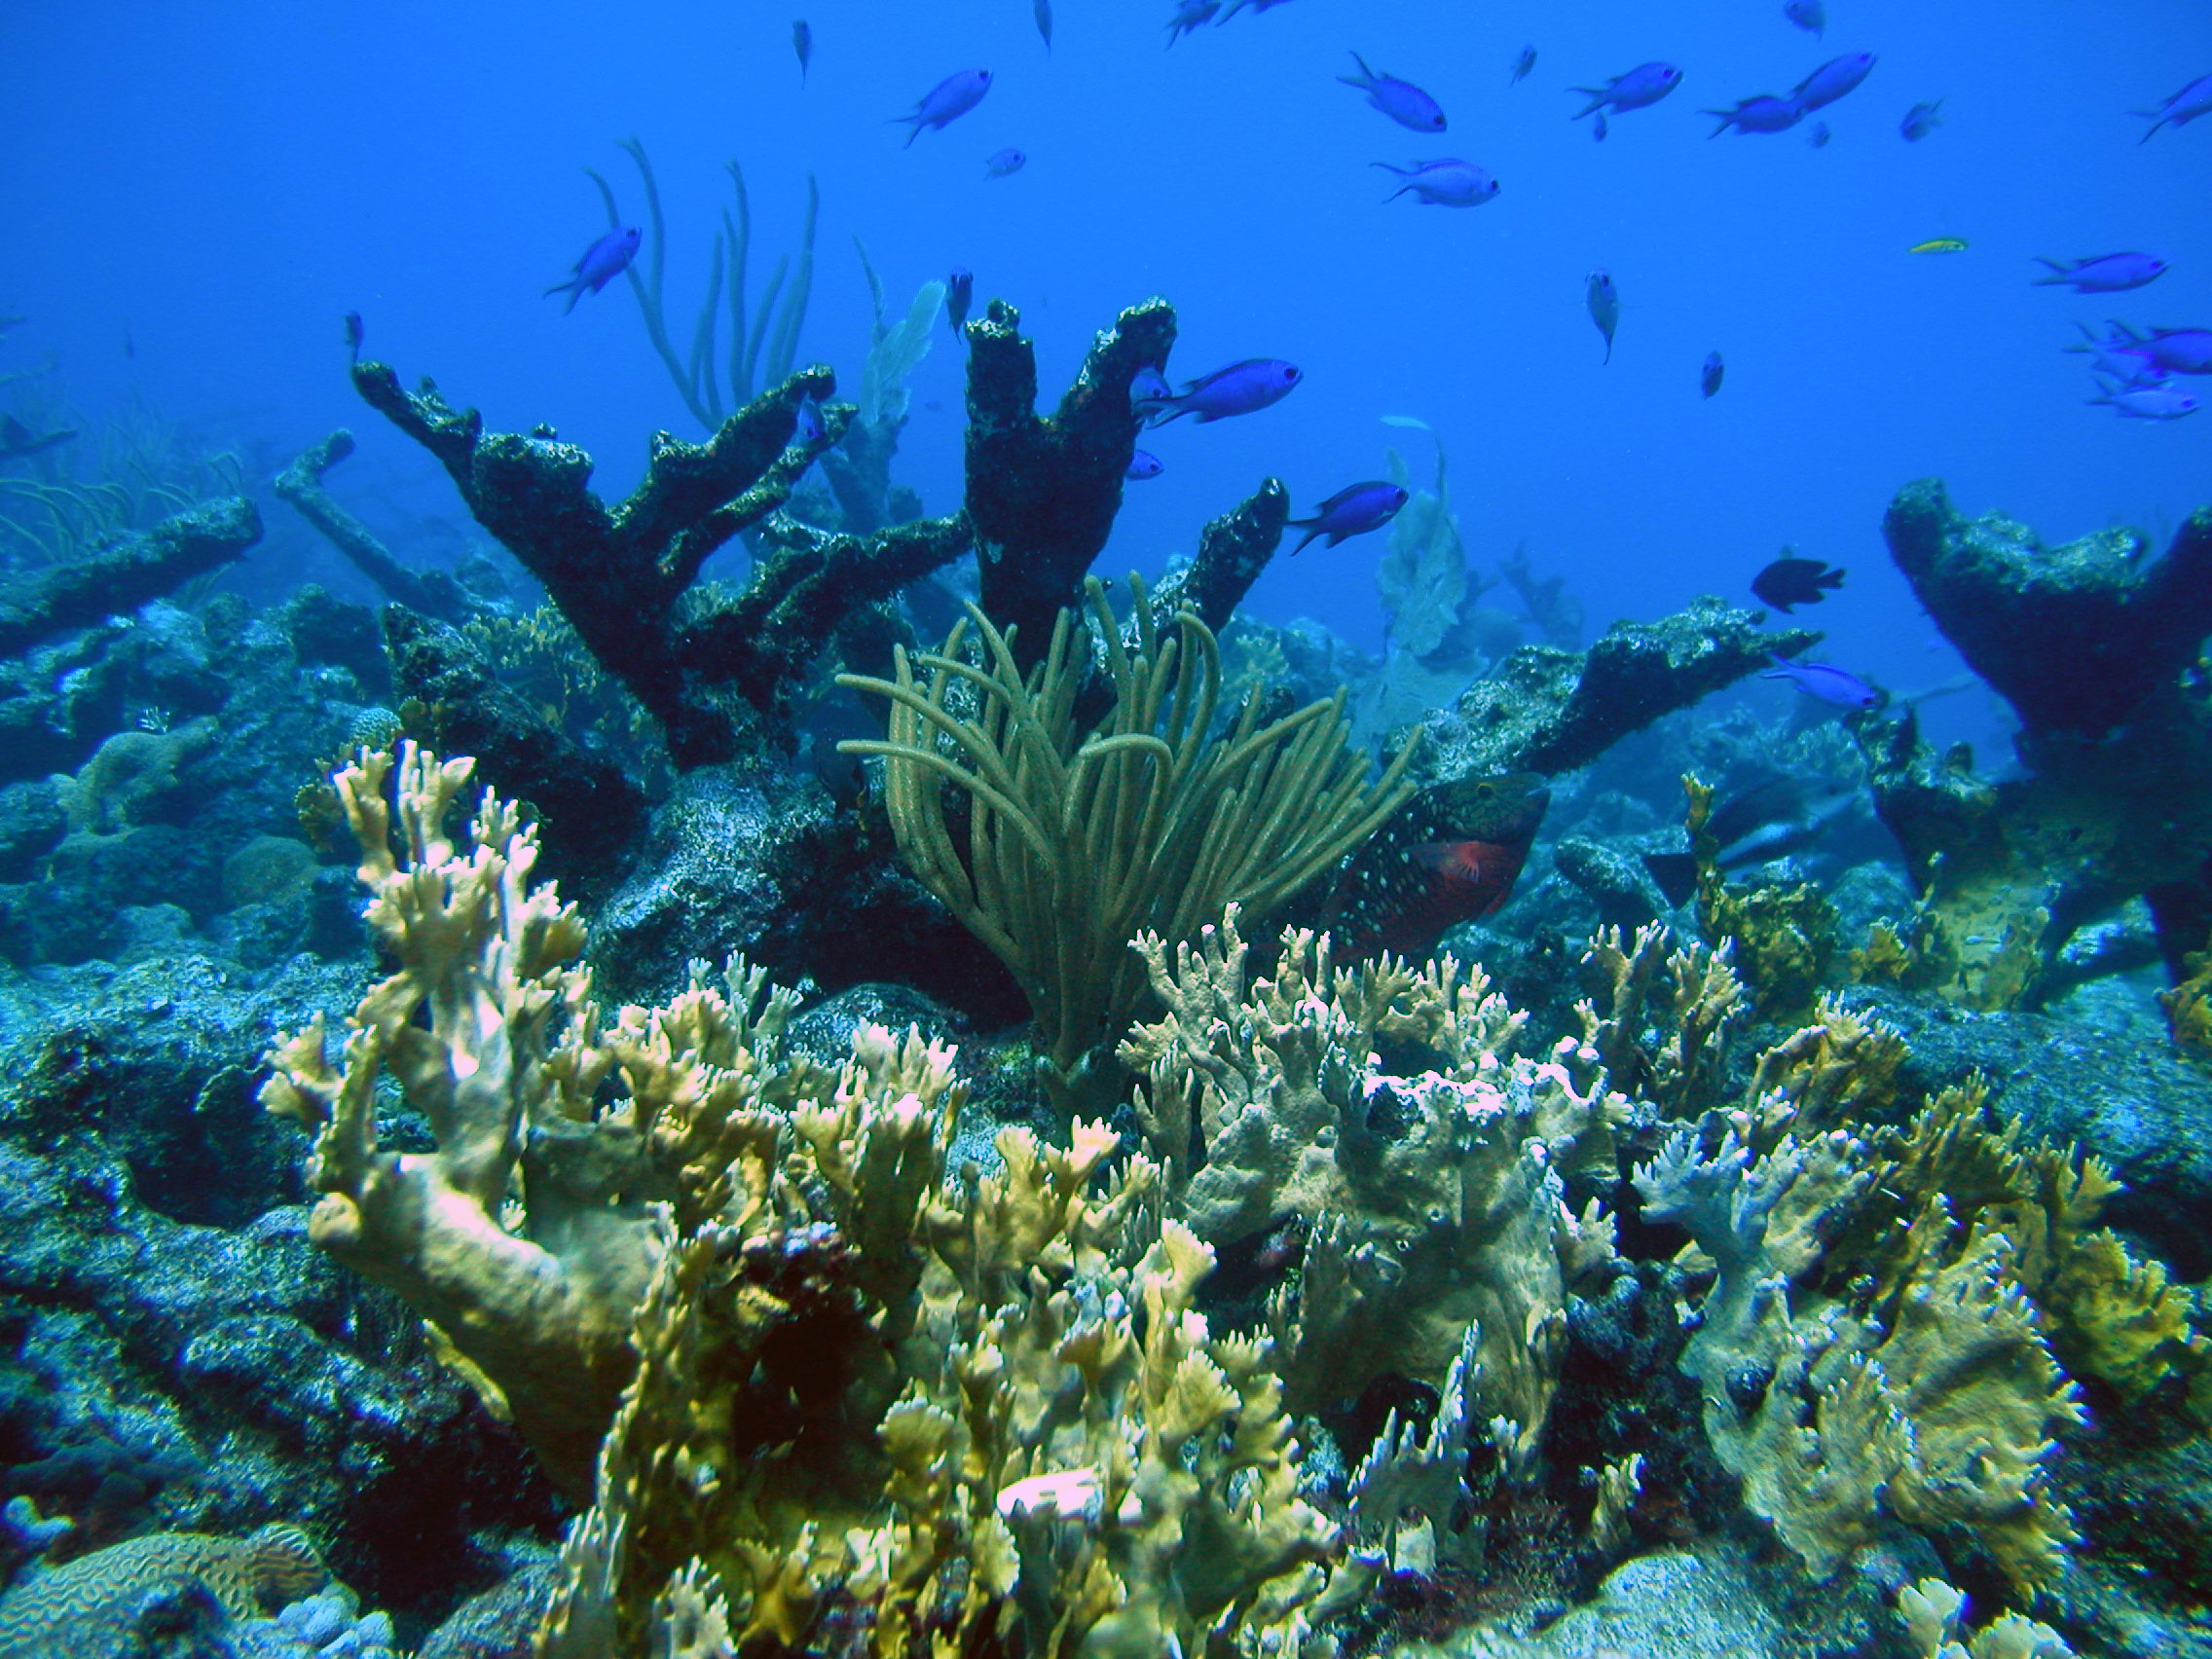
1078	838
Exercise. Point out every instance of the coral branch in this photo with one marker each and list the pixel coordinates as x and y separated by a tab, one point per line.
144	565
431	592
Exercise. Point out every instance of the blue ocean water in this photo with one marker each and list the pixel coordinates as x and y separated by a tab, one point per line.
196	196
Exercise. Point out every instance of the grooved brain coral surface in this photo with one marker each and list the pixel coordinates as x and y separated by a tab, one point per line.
276	1564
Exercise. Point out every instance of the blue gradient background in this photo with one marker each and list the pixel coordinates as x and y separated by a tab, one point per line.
224	182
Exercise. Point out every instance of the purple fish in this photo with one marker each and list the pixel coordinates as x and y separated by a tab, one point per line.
1144	464
959	295
1833	79
1238	389
1401	100
1920	121
1189	15
604	261
1824	681
2105	274
1765	112
1004	161
1646	84
1808	15
808	428
2161	400
1447	183
1709	375
2163	350
2183	107
1353	510
947	101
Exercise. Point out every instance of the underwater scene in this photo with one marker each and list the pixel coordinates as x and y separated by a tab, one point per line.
1106	829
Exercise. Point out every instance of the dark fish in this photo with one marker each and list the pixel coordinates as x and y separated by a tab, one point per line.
1792	582
959	295
1353	510
2185	106
1238	389
1819	135
1450	857
1605	303
1808	15
1825	682
1646	84
2105	274
604	261
1189	15
1401	100
1770	819
2167	350
1521	65
945	102
802	43
1710	373
1833	79
1765	112
1920	121
354	335
1144	464
1043	8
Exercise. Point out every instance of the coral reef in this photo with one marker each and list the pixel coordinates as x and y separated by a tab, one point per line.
123	576
432	592
1081	837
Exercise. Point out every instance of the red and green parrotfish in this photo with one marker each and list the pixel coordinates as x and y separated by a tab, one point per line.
1451	856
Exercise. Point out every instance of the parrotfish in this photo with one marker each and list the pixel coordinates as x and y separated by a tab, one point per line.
1771	818
1831	80
959	295
1710	373
1920	121
1004	161
1353	510
1446	183
1524	62
1646	84
2161	400
1144	464
1605	303
1451	856
1808	15
2105	274
1238	389
1764	112
1401	100
949	99
2183	107
1187	16
802	43
1792	582
1824	681
1043	11
604	261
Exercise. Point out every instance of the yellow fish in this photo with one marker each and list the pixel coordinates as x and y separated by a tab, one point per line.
1940	245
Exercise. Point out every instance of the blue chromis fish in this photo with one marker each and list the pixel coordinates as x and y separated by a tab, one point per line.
1238	389
1605	303
1401	100
1043	11
1353	510
949	99
604	261
2183	107
1831	684
1187	16
1524	62
1833	79
1710	373
1940	244
802	43
2105	273
1446	183
354	335
1451	855
1143	463
2161	400
1764	112
1646	84
1005	160
959	295
1920	121
1808	15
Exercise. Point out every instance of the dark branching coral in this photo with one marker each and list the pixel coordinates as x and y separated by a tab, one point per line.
714	675
1079	838
120	577
432	592
1548	710
2075	637
1232	550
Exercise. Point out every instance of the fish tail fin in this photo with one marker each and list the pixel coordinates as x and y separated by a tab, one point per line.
1595	95
1608	349
1727	121
1675	875
2057	272
1307	540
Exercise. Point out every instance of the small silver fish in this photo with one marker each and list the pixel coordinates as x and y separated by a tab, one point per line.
1005	160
